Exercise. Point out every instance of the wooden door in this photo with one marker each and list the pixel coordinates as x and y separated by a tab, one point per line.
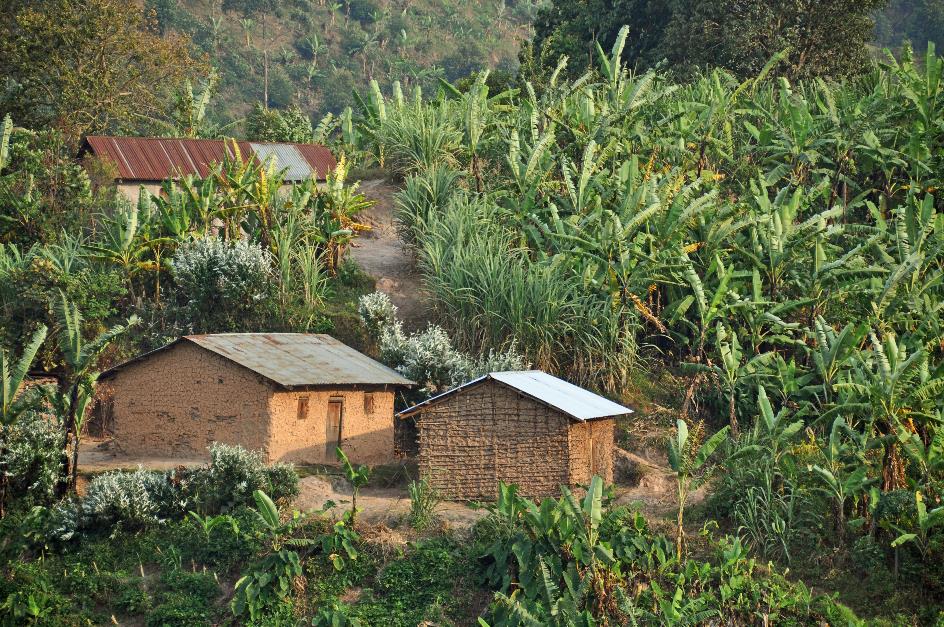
333	427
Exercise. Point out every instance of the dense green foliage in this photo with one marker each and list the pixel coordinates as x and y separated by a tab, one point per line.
585	561
779	244
767	231
579	562
820	38
917	21
99	66
314	53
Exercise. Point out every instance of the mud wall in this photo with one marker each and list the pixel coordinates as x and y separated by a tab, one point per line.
490	433
366	426
177	402
591	450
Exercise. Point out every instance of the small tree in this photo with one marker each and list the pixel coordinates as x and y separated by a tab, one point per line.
13	403
357	476
77	382
688	457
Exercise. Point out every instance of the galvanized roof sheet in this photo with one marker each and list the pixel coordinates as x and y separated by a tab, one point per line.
286	157
292	359
162	158
576	402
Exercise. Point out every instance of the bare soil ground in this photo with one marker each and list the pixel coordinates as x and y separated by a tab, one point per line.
382	255
379	506
651	491
98	455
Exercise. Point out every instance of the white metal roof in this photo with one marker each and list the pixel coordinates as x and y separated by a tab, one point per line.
576	402
287	157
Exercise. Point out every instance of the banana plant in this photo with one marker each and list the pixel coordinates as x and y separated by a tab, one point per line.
188	206
926	522
358	477
14	400
833	353
777	432
127	242
844	473
733	371
689	453
77	381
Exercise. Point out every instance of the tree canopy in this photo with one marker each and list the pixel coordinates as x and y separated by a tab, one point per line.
99	66
919	21
821	37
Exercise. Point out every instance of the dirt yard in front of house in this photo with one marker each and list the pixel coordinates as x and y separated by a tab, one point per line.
98	455
642	481
379	506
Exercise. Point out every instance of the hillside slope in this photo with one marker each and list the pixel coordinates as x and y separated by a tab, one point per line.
319	50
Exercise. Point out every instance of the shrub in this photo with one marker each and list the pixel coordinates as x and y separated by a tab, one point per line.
377	312
142	498
29	458
28	596
428	357
223	286
281	482
135	499
231	477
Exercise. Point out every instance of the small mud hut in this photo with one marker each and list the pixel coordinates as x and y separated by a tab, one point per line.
527	428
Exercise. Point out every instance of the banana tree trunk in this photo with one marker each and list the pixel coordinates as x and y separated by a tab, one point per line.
680	527
68	426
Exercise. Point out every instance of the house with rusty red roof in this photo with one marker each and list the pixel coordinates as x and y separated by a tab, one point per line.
149	161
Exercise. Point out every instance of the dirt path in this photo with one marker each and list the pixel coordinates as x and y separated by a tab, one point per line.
381	254
387	506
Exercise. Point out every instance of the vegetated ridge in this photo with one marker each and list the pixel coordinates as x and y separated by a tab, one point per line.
318	52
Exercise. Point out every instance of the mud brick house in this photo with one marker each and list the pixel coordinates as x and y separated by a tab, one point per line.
293	396
527	428
150	161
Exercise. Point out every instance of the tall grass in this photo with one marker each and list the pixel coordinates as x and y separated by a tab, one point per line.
490	292
424	193
416	137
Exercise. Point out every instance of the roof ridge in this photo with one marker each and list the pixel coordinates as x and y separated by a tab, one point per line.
564	396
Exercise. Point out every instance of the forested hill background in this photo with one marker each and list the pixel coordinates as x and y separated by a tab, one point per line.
919	21
319	51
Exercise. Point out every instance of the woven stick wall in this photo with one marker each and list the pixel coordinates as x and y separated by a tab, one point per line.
490	433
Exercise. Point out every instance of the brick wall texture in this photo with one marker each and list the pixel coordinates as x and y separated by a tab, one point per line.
470	441
176	402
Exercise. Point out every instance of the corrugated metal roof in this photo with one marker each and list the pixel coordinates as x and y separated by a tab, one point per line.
576	402
160	158
319	158
286	157
292	359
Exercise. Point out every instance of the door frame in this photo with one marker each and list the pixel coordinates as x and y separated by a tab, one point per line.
335	400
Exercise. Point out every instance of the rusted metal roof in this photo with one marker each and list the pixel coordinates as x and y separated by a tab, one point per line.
576	402
157	158
319	158
291	360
